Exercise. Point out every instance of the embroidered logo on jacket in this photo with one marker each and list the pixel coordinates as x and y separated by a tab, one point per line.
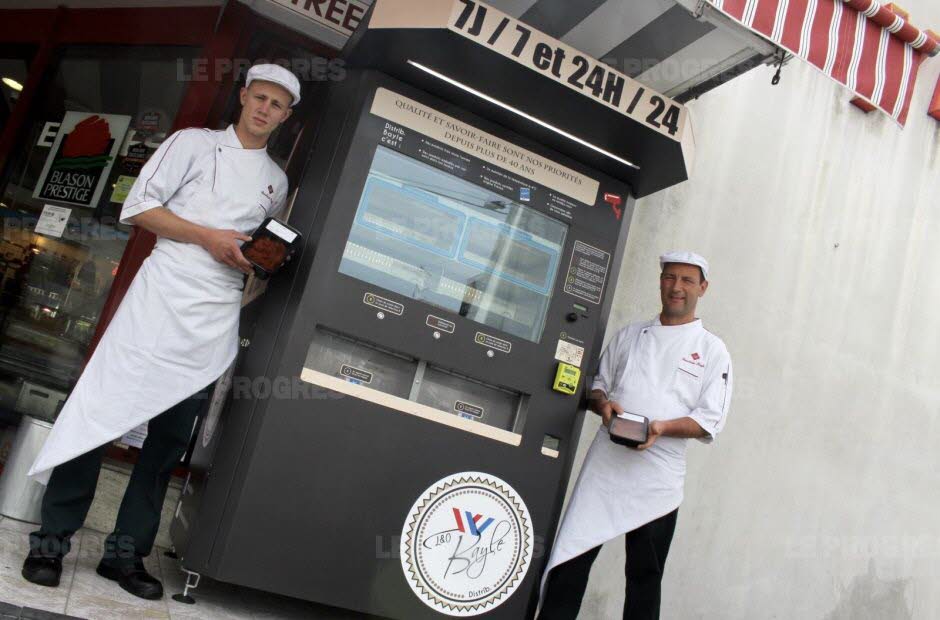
269	195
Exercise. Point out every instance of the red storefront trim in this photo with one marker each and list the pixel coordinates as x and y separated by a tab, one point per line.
141	26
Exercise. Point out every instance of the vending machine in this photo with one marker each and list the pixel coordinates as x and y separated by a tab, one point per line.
398	433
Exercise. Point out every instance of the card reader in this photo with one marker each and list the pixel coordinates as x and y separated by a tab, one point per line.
566	378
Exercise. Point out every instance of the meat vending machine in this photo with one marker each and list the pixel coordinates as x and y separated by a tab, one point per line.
399	433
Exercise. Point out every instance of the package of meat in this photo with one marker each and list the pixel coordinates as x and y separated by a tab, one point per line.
629	429
270	247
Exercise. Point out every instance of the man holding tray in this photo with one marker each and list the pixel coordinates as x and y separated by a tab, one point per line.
174	333
675	373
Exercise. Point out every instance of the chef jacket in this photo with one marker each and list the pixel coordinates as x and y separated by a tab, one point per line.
662	372
176	330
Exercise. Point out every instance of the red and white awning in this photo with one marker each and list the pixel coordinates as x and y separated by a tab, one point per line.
859	43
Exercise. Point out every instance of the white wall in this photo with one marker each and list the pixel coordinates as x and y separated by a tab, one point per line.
822	225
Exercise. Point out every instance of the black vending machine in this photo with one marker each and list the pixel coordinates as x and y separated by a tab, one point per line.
398	435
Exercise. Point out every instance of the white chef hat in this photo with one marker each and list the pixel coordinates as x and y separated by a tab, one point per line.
688	258
278	75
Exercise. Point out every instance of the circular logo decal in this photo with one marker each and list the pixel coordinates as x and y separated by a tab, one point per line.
466	544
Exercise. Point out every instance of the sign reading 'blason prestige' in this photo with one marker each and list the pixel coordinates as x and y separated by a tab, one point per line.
563	63
78	165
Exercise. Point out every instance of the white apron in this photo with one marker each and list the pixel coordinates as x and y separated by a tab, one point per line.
663	373
176	330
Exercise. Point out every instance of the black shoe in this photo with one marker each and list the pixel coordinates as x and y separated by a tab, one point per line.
43	571
133	578
43	565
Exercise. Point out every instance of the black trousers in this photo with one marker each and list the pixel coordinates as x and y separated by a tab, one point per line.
71	489
647	548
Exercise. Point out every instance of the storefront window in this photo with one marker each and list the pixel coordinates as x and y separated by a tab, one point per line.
60	243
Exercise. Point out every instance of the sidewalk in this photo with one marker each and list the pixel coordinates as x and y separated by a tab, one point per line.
84	594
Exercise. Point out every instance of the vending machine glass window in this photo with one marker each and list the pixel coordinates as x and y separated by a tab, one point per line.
432	236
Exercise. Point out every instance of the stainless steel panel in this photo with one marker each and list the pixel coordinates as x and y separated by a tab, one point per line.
361	363
469	398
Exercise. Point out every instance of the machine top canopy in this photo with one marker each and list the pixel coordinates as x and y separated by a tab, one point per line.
496	66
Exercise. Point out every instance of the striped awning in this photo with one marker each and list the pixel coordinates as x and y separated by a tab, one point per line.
663	44
858	43
670	46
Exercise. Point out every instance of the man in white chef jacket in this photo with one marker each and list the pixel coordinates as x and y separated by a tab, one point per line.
678	375
173	335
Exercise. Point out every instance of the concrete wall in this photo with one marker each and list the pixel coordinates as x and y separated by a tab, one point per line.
822	225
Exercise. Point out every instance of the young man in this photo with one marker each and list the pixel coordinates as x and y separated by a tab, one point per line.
679	376
174	334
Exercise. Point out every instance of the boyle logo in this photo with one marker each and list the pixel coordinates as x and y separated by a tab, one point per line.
471	522
465	562
614	201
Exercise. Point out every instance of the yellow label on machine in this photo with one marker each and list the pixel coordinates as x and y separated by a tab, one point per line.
566	378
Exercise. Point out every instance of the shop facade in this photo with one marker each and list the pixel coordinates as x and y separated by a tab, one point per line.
114	82
144	70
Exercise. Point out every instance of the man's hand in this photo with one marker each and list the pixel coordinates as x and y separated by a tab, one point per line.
608	409
655	431
221	244
683	428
